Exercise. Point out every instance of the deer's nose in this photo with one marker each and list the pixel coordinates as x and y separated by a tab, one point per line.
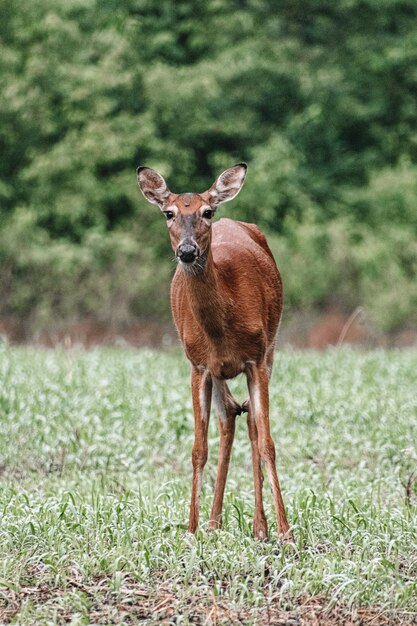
187	252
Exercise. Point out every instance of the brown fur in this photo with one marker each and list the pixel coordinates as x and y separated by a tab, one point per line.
230	314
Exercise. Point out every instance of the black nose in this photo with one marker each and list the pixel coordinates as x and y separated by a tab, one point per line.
187	252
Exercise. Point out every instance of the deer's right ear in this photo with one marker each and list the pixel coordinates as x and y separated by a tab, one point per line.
153	186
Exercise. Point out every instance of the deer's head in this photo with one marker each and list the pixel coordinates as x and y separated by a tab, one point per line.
189	215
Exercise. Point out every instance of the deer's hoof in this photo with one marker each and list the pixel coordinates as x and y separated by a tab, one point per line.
215	524
260	528
287	538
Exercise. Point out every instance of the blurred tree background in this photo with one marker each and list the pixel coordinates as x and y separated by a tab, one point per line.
319	97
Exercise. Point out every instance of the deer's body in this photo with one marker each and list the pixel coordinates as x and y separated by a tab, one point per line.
228	316
226	299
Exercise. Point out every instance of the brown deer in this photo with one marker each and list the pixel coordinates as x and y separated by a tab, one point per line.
226	299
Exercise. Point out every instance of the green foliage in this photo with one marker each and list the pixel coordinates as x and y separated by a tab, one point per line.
350	264
112	276
322	108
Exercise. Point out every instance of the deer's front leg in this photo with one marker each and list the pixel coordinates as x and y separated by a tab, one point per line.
201	385
260	525
259	411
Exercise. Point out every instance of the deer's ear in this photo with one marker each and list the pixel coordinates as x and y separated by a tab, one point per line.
228	184
153	186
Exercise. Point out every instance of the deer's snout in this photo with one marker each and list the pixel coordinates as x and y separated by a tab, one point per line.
187	252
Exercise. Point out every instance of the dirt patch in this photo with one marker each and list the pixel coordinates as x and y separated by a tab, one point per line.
90	332
134	602
313	329
334	327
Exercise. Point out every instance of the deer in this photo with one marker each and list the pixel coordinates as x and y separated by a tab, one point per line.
226	301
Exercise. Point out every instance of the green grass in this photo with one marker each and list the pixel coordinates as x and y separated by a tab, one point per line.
95	462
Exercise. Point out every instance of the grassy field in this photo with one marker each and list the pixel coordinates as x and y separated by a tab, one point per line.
95	463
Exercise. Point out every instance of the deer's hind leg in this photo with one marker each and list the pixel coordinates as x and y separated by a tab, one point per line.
258	378
227	409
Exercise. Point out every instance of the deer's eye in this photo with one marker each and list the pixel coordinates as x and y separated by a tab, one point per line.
169	215
208	214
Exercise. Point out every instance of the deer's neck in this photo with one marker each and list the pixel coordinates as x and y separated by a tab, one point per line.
205	297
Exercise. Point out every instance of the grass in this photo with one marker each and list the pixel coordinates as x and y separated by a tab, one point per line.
95	462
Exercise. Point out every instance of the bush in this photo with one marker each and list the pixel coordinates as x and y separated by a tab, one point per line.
322	109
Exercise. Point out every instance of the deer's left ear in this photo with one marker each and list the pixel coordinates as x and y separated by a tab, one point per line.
228	184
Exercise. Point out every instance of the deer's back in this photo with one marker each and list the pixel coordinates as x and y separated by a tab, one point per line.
245	262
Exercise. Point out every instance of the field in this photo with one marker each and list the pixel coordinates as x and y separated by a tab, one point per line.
95	454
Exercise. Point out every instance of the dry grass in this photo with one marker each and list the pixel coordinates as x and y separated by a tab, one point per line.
135	603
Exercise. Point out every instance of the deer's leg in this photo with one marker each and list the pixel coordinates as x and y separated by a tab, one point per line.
259	405
201	385
227	409
260	526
